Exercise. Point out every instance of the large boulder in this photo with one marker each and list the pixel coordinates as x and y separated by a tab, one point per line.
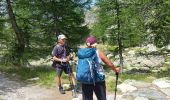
151	48
162	83
126	88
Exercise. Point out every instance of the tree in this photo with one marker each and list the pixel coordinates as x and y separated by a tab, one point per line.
36	23
121	21
18	32
154	14
160	25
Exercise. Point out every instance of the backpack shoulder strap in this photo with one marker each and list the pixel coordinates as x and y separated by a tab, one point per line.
99	59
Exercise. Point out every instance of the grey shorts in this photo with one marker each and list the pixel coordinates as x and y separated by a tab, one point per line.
66	68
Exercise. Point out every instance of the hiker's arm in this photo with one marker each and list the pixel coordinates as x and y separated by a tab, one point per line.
61	60
104	58
57	59
69	57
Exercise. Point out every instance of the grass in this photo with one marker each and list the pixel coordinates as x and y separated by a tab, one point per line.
146	77
137	76
46	75
122	77
165	73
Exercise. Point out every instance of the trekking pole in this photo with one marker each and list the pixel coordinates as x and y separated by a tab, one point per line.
117	74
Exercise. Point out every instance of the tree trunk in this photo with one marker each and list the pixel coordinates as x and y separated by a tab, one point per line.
119	37
15	27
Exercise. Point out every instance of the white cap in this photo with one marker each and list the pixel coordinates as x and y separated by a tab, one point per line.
62	36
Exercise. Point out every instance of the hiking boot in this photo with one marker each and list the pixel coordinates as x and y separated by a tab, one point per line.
74	94
78	91
75	88
71	87
61	90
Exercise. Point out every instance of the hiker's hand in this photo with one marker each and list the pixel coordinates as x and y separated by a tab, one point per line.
69	58
64	60
52	59
117	70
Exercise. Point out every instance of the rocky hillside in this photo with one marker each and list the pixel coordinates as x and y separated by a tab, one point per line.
144	59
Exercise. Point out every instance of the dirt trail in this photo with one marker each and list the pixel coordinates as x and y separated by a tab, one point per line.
13	89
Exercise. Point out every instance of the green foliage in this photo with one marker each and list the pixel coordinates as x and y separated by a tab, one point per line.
110	85
159	21
131	25
40	22
41	19
165	73
141	22
137	76
113	49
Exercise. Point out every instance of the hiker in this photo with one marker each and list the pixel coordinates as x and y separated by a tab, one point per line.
89	71
61	58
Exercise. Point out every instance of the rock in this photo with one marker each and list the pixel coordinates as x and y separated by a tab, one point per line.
128	81
34	79
147	63
168	47
126	88
140	98
41	61
127	97
155	71
111	97
151	48
131	52
137	84
66	86
110	55
168	97
116	63
166	91
168	63
14	74
148	93
162	83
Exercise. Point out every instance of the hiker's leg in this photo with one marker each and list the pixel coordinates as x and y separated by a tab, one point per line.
58	76
68	70
100	90
58	79
73	79
87	91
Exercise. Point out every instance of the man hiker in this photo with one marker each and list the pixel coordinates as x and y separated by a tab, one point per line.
61	57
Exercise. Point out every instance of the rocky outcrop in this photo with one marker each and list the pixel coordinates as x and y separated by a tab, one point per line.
144	59
159	89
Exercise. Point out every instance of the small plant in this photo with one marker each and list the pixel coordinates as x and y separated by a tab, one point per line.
110	85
